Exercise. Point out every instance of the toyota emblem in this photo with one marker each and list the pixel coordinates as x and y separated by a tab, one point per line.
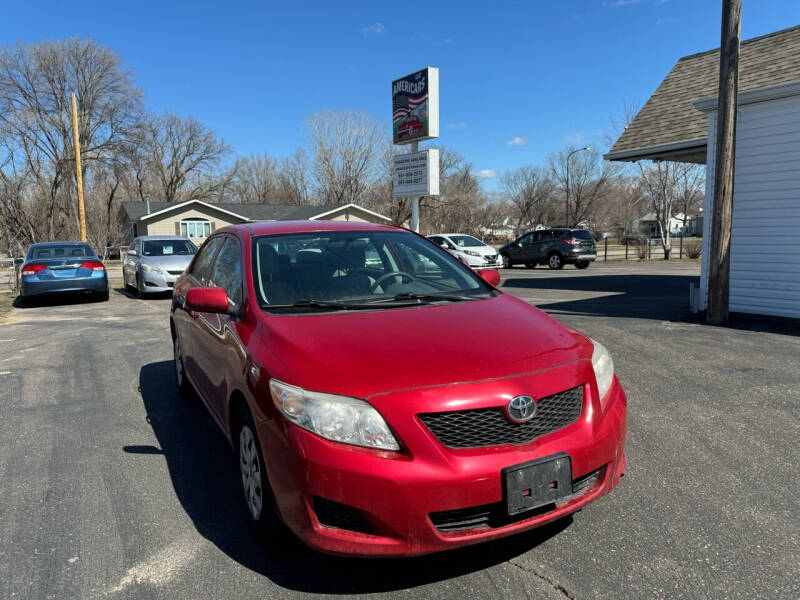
521	409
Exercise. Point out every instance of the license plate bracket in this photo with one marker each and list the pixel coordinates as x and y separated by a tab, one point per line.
536	483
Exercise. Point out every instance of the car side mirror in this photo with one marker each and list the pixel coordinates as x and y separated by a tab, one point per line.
490	276
207	299
132	253
19	261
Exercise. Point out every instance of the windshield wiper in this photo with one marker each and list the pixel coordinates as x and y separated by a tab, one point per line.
425	298
307	303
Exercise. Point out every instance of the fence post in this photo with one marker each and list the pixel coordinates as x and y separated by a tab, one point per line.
605	250
626	248
681	251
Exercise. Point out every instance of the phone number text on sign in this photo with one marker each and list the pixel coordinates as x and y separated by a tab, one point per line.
416	174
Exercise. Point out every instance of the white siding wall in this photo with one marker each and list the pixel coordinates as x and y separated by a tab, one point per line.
765	242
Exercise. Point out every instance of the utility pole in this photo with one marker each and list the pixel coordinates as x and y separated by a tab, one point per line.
725	150
78	174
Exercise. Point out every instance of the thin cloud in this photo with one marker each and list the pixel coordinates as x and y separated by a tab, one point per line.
574	138
487	173
373	30
517	141
620	3
457	125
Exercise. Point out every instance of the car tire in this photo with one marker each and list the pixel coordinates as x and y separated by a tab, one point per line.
259	500
507	264
555	262
139	288
184	386
582	264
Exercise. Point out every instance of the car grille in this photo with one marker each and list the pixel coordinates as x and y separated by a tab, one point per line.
495	515
175	272
489	426
340	516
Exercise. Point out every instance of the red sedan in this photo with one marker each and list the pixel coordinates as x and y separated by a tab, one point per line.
384	399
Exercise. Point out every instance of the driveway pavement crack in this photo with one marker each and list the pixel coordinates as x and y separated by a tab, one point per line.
560	589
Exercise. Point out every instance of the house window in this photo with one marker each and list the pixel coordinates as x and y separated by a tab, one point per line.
196	228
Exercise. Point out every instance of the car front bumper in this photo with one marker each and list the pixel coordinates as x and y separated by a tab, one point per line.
155	281
392	495
477	263
31	285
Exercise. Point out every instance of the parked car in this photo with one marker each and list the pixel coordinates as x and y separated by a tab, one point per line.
552	247
398	408
469	250
155	262
53	268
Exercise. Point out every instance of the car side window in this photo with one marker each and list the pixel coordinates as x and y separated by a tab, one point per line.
526	239
200	269
227	271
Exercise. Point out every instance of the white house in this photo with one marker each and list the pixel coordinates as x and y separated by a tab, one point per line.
765	237
678	123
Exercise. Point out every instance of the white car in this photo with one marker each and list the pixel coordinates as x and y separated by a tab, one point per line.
469	250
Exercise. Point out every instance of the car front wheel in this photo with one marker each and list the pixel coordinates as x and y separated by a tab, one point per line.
184	387
554	261
255	485
506	261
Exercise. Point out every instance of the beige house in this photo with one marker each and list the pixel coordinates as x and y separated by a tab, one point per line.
197	219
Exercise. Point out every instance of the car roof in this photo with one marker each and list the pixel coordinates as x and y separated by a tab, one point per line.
150	238
46	244
467	234
281	227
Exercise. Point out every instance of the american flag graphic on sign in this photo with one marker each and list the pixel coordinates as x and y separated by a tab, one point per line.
411	98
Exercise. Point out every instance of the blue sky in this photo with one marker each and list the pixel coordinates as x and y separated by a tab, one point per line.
519	80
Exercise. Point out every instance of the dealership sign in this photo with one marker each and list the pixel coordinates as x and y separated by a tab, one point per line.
416	173
415	106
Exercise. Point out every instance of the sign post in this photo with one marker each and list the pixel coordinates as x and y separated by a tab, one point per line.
415	117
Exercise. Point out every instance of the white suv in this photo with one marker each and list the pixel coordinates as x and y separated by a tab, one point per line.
469	250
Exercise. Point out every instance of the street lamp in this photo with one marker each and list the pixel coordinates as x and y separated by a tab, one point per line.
566	214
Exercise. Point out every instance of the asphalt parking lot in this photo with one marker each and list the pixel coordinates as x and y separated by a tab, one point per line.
111	487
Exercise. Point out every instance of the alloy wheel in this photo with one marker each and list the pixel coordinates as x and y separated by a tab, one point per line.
506	261
251	471
554	262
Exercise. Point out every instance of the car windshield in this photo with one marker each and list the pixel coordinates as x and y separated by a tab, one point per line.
381	269
168	247
466	241
65	251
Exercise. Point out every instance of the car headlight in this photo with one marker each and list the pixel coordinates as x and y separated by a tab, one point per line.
152	268
603	367
337	418
471	252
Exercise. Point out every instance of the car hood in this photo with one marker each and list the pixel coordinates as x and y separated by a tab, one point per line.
363	353
171	262
482	250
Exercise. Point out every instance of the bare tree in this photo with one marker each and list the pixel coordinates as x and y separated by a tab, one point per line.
35	116
346	147
583	178
531	193
254	180
294	178
663	184
184	155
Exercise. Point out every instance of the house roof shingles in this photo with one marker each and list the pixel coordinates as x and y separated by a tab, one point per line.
669	117
254	212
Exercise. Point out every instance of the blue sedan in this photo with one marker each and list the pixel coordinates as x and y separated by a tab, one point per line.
60	268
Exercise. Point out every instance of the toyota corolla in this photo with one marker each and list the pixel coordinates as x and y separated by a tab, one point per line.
382	398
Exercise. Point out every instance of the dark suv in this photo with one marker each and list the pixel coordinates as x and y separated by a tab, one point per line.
551	247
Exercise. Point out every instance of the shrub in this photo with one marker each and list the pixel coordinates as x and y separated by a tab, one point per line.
693	248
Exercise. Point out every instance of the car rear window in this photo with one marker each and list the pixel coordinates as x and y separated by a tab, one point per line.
583	235
65	251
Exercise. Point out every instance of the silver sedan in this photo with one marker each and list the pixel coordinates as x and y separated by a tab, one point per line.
154	263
